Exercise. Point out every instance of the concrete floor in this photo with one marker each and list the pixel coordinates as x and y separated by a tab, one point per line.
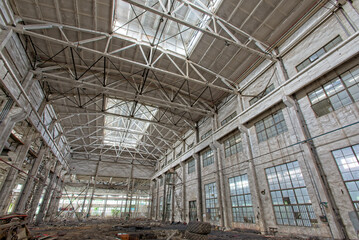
108	229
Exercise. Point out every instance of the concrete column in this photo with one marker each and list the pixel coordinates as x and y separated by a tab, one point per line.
218	184
199	187
164	202
12	174
152	199
158	198
93	189
132	187
53	213
29	185
38	191
7	124
184	195
252	176
105	206
52	203
49	189
219	154
173	197
84	200
316	172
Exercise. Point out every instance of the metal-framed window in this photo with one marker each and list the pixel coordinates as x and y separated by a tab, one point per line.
191	165
211	201
229	118
161	181
315	56
338	92
290	198
262	94
206	134
192	210
270	126
347	160
207	157
241	198
233	144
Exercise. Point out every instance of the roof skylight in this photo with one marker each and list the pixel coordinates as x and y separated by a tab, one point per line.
122	131
147	27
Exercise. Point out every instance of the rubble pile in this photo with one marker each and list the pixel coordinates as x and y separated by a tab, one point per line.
14	226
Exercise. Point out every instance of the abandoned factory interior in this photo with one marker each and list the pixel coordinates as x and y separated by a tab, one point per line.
179	119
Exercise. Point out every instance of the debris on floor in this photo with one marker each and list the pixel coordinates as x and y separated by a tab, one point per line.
14	226
139	229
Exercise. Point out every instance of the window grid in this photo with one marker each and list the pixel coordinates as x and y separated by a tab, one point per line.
271	126
206	134
229	118
347	160
262	94
211	201
241	199
207	158
233	144
315	56
337	93
192	211
191	166
290	198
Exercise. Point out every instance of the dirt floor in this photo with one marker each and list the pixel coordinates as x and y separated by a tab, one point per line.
141	229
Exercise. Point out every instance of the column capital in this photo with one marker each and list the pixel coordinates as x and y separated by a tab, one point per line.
195	156
215	145
243	128
288	101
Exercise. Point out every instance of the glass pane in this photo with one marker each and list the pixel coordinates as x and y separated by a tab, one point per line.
322	108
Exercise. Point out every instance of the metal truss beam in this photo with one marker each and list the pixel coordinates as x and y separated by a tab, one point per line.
110	156
214	33
98	112
76	127
56	97
185	96
121	94
22	29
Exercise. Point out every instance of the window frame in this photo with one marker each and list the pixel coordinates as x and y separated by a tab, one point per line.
233	147
206	134
241	209
212	202
261	128
308	61
327	98
228	118
262	94
354	203
191	168
294	190
207	157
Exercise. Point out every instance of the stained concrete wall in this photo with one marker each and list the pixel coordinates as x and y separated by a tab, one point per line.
331	131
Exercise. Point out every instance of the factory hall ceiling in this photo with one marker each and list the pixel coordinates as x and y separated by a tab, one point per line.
127	78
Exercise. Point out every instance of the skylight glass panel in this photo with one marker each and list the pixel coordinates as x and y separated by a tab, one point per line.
147	27
120	129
